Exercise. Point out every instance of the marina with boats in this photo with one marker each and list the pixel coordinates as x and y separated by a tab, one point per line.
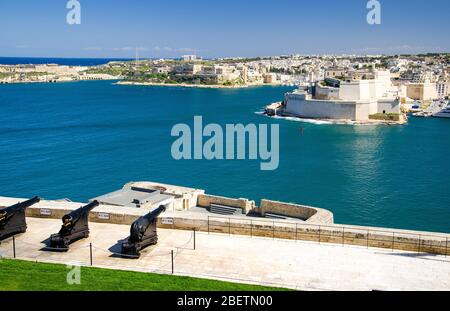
437	109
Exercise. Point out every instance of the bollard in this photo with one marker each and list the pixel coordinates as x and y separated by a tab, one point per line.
446	247
90	252
420	238
368	234
273	230
194	239
172	260
393	238
14	247
319	233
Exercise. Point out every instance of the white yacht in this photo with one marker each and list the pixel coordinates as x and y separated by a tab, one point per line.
444	113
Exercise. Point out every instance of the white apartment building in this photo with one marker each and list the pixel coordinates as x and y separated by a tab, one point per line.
442	89
190	58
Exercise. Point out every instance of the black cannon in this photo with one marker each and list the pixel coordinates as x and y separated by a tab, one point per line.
75	226
12	218
142	234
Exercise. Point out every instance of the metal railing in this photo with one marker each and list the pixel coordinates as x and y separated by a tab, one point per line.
165	259
13	248
335	234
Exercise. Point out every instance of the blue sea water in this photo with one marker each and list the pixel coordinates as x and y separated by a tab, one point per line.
59	61
83	139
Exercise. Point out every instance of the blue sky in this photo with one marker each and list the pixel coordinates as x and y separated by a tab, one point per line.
114	28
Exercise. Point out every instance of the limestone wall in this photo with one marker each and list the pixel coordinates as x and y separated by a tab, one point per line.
101	213
388	106
306	213
205	200
314	230
414	241
286	209
322	216
321	109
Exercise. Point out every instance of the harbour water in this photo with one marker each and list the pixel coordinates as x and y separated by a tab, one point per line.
79	140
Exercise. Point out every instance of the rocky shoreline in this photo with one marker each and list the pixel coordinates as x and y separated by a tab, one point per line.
204	86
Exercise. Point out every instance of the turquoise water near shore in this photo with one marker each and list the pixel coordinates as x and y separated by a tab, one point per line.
79	140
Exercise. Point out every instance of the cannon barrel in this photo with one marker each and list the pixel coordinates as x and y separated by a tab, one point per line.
142	233
75	226
20	206
12	218
82	211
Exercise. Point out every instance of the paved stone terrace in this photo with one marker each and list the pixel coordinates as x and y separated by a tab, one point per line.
284	263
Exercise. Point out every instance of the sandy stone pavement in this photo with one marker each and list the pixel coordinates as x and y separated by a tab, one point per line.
281	263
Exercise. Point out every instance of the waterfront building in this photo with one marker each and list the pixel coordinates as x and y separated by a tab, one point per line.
422	90
348	100
442	89
187	69
254	76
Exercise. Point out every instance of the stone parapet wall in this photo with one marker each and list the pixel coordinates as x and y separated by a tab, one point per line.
57	209
205	200
414	241
322	216
306	213
101	214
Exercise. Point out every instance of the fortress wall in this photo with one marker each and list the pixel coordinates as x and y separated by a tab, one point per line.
388	106
318	228
413	241
101	214
286	209
321	109
205	200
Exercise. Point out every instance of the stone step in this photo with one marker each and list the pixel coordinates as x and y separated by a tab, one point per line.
275	216
224	210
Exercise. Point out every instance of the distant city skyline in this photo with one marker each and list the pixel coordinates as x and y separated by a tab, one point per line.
158	29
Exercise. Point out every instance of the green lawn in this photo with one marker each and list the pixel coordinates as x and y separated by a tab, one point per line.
18	275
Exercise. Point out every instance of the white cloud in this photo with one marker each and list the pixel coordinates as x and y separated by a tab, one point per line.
130	48
174	50
187	50
93	48
405	48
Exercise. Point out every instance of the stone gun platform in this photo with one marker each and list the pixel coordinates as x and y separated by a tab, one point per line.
260	260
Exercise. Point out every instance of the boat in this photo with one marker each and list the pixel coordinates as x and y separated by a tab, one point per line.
444	113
